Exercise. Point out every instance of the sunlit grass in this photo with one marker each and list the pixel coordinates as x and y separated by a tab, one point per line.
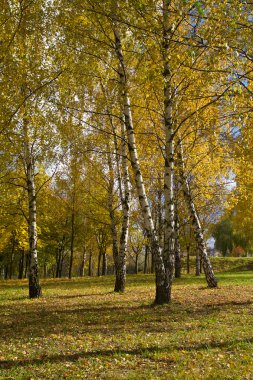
81	329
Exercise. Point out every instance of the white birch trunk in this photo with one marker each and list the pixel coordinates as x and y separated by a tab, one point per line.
111	208
33	272
83	261
162	294
169	239
120	262
119	250
72	236
177	233
207	266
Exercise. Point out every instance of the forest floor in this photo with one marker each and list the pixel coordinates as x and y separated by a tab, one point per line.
81	329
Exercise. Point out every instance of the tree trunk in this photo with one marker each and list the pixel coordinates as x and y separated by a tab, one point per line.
169	238
208	270
197	271
83	262
119	280
120	263
136	264
57	259
188	259
152	269
146	260
90	270
160	215
6	271
60	258
177	263
177	252
72	238
34	284
60	265
177	235
13	238
99	263
119	250
45	269
162	291
104	264
26	264
33	270
21	264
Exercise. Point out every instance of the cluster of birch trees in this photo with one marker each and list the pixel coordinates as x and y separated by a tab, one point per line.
121	116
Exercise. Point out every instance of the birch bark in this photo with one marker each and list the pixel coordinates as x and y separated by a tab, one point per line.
119	250
83	261
207	266
177	234
33	271
72	237
162	290
169	238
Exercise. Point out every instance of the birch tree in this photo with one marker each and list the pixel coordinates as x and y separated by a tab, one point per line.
27	121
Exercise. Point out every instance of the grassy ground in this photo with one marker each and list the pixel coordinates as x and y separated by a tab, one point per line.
224	264
80	329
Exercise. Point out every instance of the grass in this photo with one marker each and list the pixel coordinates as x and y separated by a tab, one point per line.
224	264
81	329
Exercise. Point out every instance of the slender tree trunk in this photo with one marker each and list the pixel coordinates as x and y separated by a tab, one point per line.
34	284
152	268
119	281
159	216
61	262
169	238
188	259
162	291
57	259
177	248
177	234
45	269
6	271
104	264
29	164
90	270
21	264
120	262
146	260
119	250
99	262
197	268
33	270
208	270
26	264
60	258
83	262
136	263
12	254
72	239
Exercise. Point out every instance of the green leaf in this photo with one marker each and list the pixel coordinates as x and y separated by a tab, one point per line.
199	8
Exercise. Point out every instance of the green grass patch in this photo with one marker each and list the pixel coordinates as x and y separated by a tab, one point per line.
81	329
224	264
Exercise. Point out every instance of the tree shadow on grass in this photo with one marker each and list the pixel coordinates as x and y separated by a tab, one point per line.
78	295
42	320
60	297
146	351
109	320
